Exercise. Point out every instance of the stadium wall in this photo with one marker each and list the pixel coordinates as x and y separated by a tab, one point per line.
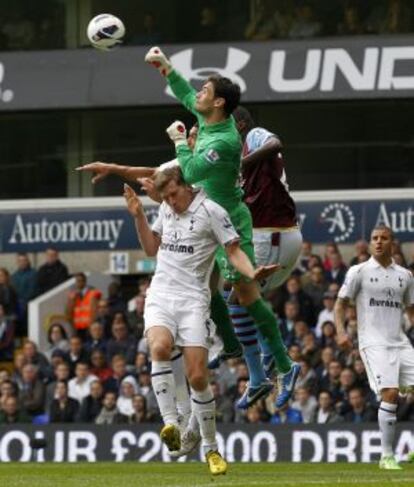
243	443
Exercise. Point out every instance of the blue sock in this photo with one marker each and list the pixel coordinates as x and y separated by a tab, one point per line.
264	346
246	332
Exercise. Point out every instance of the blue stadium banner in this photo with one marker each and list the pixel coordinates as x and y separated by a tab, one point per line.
339	442
113	229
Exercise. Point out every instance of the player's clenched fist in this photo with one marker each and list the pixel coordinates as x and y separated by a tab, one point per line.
158	59
177	133
134	204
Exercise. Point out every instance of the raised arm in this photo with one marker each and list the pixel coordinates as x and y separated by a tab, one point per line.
150	241
103	169
181	88
268	150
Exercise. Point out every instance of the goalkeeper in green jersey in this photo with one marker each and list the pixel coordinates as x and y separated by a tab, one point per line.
214	164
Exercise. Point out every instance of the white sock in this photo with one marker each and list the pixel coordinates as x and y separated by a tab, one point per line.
204	407
181	390
164	388
387	418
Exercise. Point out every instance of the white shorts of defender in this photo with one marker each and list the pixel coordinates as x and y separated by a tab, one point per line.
188	321
389	367
285	253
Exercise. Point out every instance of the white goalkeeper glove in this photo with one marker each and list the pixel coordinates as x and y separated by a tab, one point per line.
177	133
158	59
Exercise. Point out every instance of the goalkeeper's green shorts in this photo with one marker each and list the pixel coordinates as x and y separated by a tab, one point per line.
242	221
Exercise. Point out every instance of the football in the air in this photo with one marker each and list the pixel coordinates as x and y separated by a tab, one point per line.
105	31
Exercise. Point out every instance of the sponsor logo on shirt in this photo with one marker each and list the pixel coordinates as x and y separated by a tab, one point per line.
385	303
180	249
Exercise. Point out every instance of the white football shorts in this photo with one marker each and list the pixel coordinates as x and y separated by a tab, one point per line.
187	320
277	248
389	367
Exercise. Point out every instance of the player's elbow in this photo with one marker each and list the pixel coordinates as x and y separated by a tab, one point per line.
274	145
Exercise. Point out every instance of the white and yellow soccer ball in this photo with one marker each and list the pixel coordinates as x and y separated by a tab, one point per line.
105	31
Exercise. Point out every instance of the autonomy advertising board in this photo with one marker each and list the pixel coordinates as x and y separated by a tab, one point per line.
113	229
244	443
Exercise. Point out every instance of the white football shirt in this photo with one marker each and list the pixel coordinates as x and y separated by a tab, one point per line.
189	241
380	295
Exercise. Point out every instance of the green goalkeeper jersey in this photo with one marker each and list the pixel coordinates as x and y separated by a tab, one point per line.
215	163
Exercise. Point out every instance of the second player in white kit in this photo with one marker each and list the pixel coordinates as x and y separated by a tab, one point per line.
381	290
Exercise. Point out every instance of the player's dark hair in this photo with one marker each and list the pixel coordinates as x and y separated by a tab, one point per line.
226	89
384	228
244	119
170	174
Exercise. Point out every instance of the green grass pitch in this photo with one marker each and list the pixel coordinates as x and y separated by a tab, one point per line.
196	474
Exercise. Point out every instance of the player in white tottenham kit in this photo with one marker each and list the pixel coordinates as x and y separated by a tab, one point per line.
381	290
185	237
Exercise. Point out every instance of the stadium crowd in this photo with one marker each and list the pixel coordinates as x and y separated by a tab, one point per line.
96	367
25	27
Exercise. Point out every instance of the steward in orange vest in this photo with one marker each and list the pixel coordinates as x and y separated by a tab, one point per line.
82	303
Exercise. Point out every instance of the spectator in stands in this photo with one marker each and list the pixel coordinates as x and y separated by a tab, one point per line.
399	259
33	356
136	317
316	287
330	249
287	324
7	329
76	353
325	413
269	21
24	282
140	414
361	379
337	270
82	305
331	381
351	23
12	414
304	23
32	394
57	338
305	403
145	389
360	411
390	17
7	389
405	411
328	338
128	390
254	415
361	249
116	302
149	33
8	295
307	376
96	340
327	313
327	356
311	351
18	364
52	273
99	366
224	406
103	316
92	404
294	292
79	386
208	27
286	415
122	342
60	373
141	362
119	372
303	262
63	408
109	413
300	330
295	353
